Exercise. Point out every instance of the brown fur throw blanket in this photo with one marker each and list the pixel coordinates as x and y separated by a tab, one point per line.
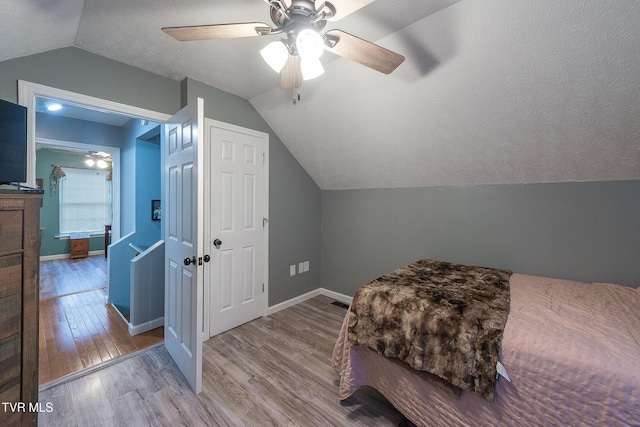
443	318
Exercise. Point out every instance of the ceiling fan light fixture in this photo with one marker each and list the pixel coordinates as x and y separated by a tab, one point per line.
275	54
309	44
311	68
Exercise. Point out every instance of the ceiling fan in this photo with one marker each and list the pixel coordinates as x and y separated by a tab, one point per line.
98	158
297	57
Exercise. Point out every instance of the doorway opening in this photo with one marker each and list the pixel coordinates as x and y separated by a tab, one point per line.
79	331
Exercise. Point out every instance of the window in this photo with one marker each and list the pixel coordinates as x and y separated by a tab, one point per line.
85	201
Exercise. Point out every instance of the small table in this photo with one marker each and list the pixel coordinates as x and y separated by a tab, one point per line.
79	247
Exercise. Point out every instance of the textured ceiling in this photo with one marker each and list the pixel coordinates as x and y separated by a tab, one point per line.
491	92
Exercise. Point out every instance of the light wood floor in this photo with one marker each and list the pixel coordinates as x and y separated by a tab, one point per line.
67	276
274	371
79	330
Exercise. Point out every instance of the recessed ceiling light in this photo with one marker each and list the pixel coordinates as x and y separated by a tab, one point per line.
54	106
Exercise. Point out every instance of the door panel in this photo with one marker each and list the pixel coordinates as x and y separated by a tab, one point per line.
248	271
183	225
226	279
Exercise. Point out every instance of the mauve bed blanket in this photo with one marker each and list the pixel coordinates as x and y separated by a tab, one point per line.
571	349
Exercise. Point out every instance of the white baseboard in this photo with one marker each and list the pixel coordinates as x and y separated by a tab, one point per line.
143	327
147	326
320	291
67	256
335	295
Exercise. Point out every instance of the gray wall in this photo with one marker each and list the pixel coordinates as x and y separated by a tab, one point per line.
294	198
294	227
580	231
82	72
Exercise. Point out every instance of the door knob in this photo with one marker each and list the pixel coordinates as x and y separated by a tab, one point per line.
207	258
217	243
188	261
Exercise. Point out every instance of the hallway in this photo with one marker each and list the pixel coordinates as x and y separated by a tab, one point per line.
78	329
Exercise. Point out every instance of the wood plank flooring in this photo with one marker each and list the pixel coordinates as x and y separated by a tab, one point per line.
274	371
79	330
67	276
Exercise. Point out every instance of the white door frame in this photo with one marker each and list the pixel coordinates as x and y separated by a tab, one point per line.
207	230
27	94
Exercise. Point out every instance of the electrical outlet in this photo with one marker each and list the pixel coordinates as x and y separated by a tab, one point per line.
301	268
306	266
292	270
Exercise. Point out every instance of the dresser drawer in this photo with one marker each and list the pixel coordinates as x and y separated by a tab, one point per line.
11	230
11	362
10	275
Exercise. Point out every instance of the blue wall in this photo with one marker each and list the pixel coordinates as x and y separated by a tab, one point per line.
69	130
50	212
74	130
147	189
143	185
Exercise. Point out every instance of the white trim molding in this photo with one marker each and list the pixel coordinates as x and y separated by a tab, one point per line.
144	327
320	291
67	256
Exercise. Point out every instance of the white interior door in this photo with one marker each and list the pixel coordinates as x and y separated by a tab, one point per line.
236	215
182	219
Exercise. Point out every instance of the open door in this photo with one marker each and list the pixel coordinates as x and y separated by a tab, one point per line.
182	217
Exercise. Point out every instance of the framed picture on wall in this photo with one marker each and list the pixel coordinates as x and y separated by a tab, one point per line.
156	211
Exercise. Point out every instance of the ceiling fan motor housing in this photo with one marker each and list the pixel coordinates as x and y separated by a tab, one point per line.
301	14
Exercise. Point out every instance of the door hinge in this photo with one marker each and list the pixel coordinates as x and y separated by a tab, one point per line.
263	287
263	158
265	221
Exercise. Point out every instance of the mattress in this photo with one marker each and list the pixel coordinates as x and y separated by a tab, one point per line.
571	350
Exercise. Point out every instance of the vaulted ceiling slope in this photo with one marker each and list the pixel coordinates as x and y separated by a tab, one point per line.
491	92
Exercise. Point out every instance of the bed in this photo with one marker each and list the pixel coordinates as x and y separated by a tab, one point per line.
571	351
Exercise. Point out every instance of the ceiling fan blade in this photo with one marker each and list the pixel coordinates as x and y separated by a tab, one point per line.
291	76
219	31
363	52
346	7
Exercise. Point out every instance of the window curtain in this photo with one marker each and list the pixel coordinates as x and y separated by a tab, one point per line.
85	201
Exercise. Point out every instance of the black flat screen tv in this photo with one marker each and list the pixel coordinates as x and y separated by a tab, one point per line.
13	142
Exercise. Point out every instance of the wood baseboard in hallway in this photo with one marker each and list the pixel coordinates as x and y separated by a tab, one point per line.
273	371
80	330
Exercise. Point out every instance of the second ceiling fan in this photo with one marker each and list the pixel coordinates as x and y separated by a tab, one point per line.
297	57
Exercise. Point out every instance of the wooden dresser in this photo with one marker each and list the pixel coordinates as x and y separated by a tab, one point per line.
19	296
